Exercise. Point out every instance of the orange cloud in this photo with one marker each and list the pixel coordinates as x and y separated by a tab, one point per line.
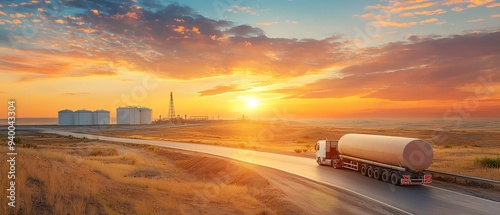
35	20
40	10
428	20
457	9
196	30
60	21
495	16
181	29
221	90
497	4
475	20
17	21
395	24
433	12
2	13
405	72
266	23
94	11
406	14
413	7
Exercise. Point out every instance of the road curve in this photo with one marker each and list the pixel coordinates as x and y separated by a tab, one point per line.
409	199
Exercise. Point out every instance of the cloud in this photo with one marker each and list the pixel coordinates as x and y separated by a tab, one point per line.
175	38
406	14
495	16
292	22
248	10
450	68
428	20
221	90
395	24
264	24
413	7
433	12
496	4
475	20
457	9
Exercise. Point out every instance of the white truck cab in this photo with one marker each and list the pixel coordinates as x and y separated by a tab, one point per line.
327	154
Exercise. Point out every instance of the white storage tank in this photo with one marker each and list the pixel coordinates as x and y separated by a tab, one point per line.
123	116
135	116
84	117
65	117
145	115
101	117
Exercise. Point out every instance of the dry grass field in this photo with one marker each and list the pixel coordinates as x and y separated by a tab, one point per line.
66	175
455	151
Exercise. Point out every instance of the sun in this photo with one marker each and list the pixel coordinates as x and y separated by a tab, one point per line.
252	102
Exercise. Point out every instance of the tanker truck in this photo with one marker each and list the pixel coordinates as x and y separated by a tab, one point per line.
395	160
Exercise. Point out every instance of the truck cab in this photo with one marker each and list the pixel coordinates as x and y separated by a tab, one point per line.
327	154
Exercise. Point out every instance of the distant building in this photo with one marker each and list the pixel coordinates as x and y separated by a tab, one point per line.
83	117
132	115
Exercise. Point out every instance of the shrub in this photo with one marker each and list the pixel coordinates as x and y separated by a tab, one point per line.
305	149
18	140
30	145
487	162
104	152
298	150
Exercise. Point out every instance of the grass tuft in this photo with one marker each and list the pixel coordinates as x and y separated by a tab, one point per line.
488	162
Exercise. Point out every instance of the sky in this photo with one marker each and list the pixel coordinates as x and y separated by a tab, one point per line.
260	58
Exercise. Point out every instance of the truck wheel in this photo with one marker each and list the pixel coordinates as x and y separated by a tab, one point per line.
395	179
385	176
369	171
318	160
376	173
363	169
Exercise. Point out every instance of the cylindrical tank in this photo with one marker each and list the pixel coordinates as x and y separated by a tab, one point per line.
412	153
65	117
123	116
101	117
145	115
84	117
135	116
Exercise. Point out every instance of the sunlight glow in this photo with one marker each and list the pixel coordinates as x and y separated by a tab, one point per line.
252	102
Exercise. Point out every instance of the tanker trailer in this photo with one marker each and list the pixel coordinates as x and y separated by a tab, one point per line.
396	160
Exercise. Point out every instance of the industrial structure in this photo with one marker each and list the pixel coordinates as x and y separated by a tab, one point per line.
171	110
83	117
132	115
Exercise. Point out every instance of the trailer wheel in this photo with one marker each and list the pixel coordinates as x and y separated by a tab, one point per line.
385	176
363	169
376	173
369	171
395	179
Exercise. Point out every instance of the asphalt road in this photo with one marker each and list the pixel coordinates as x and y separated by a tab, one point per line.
407	199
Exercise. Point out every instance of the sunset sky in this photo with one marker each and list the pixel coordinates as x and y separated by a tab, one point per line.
261	58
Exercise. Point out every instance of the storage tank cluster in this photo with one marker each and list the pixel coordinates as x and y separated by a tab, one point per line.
83	117
133	115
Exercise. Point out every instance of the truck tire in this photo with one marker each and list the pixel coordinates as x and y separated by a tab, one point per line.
369	172
395	179
363	169
385	176
376	173
318	160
